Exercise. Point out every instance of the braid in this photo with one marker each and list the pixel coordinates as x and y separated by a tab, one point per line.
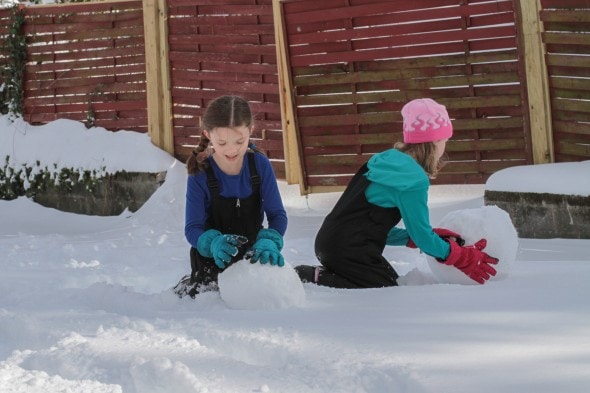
197	160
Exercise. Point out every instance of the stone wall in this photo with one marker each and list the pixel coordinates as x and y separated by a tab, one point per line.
110	197
544	216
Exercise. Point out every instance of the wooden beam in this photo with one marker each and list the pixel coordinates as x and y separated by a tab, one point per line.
537	81
159	99
292	148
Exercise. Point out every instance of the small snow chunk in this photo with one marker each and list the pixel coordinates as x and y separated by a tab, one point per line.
74	264
251	286
489	222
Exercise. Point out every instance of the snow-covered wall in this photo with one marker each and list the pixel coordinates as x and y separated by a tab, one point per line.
544	201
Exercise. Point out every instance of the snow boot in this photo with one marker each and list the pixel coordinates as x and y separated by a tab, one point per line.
319	275
186	286
203	277
308	273
190	285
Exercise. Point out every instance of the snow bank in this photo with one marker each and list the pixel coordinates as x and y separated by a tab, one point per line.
567	178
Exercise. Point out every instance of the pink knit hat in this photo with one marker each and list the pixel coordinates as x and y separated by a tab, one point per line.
425	121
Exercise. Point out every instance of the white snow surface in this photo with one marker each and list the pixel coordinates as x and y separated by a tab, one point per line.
544	179
85	304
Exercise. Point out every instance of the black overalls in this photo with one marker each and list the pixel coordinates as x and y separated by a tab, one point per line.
351	240
229	216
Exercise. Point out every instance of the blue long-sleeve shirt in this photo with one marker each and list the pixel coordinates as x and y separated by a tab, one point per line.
198	196
397	180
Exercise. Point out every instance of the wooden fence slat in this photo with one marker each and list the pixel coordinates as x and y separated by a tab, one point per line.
48	42
92	7
403	52
420	64
568	61
572	16
570	127
564	4
566	38
117	72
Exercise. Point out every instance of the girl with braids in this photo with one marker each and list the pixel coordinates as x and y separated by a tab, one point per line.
391	186
231	186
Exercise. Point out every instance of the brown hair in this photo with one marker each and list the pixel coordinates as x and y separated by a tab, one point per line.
224	111
423	153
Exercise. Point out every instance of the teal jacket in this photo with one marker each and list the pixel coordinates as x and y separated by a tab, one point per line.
397	180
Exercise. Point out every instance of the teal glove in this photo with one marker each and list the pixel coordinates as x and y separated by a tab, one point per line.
267	248
204	242
220	247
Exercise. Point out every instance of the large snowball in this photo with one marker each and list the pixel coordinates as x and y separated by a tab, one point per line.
250	286
489	222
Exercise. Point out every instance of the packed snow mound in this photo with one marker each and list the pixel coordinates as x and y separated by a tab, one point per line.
487	222
252	286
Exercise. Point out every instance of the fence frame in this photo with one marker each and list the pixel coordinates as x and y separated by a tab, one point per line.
159	98
539	102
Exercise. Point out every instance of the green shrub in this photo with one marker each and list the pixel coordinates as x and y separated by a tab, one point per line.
29	180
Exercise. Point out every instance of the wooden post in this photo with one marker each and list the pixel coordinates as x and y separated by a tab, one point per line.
291	146
537	81
159	99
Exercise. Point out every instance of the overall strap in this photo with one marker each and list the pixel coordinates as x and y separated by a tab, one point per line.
212	183
213	186
254	178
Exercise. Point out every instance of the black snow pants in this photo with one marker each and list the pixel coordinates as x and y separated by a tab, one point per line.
229	216
352	238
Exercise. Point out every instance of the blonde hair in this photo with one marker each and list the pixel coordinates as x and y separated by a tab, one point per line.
424	154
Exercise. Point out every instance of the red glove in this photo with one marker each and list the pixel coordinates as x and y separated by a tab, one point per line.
447	235
472	261
442	233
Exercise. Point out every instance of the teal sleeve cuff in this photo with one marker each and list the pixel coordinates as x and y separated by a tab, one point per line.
397	237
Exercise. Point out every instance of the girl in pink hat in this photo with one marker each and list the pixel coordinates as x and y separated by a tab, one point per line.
391	186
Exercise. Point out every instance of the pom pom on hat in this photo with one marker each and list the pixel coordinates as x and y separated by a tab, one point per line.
425	120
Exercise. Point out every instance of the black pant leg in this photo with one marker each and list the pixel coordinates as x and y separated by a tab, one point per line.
204	271
368	272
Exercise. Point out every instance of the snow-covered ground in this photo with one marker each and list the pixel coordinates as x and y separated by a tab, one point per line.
85	304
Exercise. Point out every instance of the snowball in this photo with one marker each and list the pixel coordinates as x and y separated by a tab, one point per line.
250	286
489	222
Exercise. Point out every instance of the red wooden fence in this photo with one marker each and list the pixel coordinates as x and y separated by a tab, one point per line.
86	62
567	39
224	47
354	64
5	21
